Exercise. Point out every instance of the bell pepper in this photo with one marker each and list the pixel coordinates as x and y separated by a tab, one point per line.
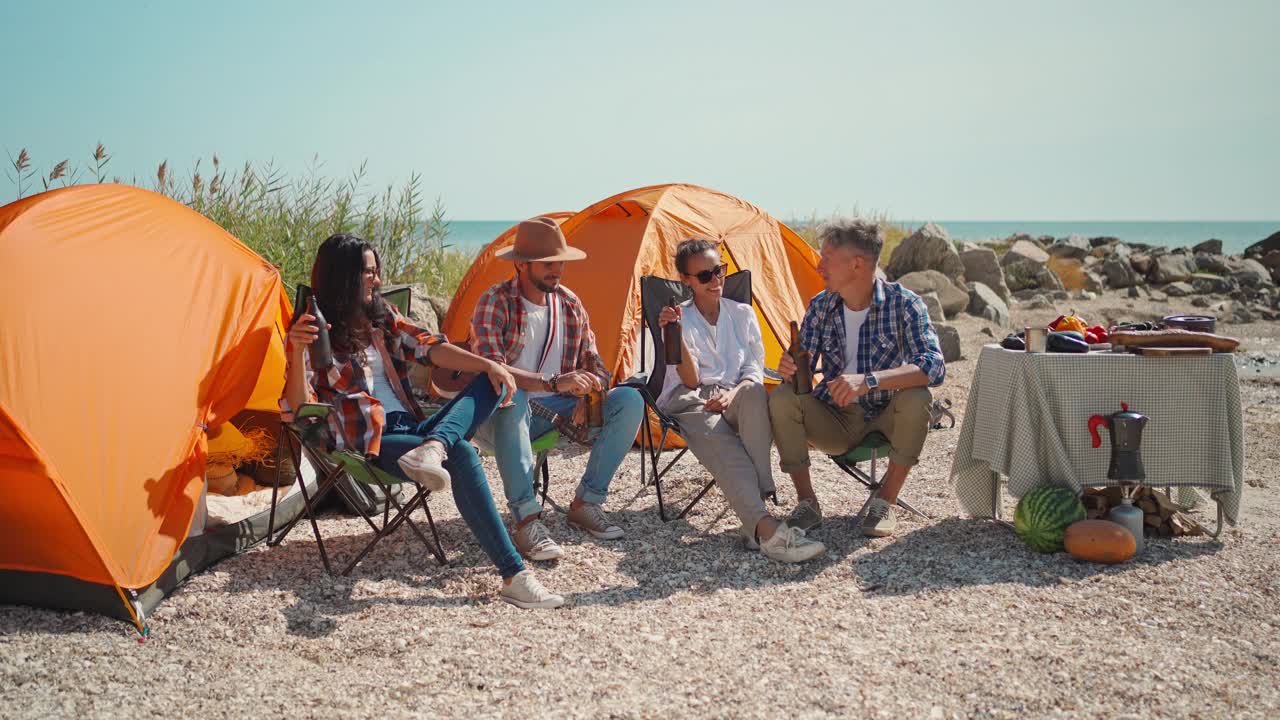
1091	337
1069	322
1099	332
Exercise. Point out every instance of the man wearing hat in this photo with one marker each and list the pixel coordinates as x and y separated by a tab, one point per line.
540	331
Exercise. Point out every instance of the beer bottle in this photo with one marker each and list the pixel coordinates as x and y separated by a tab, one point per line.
671	340
802	381
321	351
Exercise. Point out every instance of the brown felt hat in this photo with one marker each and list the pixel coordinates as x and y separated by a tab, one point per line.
540	239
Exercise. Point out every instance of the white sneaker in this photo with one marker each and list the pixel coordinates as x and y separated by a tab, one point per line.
425	465
789	545
524	591
533	540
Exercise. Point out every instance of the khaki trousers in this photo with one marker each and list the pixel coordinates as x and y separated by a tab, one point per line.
802	419
733	445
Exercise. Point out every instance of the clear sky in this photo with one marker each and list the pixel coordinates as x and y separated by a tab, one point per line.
1110	110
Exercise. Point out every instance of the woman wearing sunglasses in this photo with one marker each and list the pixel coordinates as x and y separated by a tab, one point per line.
717	395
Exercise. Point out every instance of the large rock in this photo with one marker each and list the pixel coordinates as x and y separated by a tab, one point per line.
929	248
1141	263
949	339
1248	272
987	303
1271	261
1024	267
933	306
1208	283
1119	273
954	299
1262	247
982	265
1172	267
1211	263
422	309
1072	246
1071	272
1179	289
1103	240
1213	246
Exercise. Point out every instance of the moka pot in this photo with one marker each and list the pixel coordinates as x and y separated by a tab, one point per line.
1125	428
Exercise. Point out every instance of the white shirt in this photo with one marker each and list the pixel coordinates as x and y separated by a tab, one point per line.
853	320
534	334
382	390
726	353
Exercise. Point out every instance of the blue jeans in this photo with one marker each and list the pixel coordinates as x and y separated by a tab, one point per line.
511	430
453	425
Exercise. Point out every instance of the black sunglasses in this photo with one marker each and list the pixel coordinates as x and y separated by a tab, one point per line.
705	276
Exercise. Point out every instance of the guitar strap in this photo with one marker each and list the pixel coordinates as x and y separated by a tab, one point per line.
553	326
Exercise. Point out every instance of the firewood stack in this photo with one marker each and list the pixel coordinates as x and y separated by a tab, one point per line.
1162	516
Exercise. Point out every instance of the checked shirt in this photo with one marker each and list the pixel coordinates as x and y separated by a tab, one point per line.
359	418
497	329
897	332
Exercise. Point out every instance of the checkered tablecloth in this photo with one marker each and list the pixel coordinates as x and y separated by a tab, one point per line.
1028	419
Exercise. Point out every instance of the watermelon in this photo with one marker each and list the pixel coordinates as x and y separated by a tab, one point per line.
1043	515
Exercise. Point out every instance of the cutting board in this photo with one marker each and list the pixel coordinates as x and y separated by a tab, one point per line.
1168	351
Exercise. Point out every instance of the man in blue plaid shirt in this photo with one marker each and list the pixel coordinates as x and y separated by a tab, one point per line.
876	351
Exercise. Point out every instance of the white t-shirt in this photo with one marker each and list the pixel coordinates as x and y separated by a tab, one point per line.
535	337
726	353
382	390
853	320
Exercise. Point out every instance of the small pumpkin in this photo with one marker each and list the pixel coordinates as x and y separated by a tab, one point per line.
1100	541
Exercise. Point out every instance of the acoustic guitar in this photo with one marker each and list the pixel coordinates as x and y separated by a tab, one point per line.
447	383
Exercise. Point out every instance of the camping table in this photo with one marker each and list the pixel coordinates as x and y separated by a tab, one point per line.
1028	414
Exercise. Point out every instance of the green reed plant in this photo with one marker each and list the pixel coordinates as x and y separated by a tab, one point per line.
285	218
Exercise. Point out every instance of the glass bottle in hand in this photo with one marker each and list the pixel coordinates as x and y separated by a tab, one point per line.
802	381
671	341
321	351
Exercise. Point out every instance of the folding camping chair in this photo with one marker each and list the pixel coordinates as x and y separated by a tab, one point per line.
309	434
655	293
869	450
369	487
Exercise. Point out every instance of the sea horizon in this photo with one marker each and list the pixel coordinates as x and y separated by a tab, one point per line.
1236	235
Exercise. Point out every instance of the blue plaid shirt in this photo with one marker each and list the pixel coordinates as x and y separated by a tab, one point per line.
897	332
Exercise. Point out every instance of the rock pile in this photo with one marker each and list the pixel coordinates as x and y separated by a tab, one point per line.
982	278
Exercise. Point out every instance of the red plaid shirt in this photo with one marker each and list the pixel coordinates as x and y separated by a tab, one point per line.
497	329
358	417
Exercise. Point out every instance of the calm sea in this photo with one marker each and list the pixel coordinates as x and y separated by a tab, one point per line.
472	235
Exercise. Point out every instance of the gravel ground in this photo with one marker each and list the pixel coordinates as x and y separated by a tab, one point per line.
951	618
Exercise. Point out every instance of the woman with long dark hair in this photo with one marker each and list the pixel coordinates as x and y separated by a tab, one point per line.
374	409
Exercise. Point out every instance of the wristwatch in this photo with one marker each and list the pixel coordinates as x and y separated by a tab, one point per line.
871	381
549	381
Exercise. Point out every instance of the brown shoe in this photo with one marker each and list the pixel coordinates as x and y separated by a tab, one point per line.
591	518
880	521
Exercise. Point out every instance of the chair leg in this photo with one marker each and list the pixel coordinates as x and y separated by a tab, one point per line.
543	465
695	500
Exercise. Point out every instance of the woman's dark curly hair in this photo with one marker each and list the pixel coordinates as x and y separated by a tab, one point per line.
336	279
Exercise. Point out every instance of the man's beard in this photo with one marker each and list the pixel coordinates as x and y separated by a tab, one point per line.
545	287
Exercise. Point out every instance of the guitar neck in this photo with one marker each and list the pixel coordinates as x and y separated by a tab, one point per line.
546	413
577	433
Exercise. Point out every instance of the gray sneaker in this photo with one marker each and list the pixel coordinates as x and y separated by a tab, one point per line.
591	518
880	521
805	516
534	542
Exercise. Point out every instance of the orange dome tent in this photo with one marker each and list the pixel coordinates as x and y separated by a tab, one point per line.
128	324
635	233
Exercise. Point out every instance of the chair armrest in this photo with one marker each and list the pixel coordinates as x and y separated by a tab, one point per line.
771	374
